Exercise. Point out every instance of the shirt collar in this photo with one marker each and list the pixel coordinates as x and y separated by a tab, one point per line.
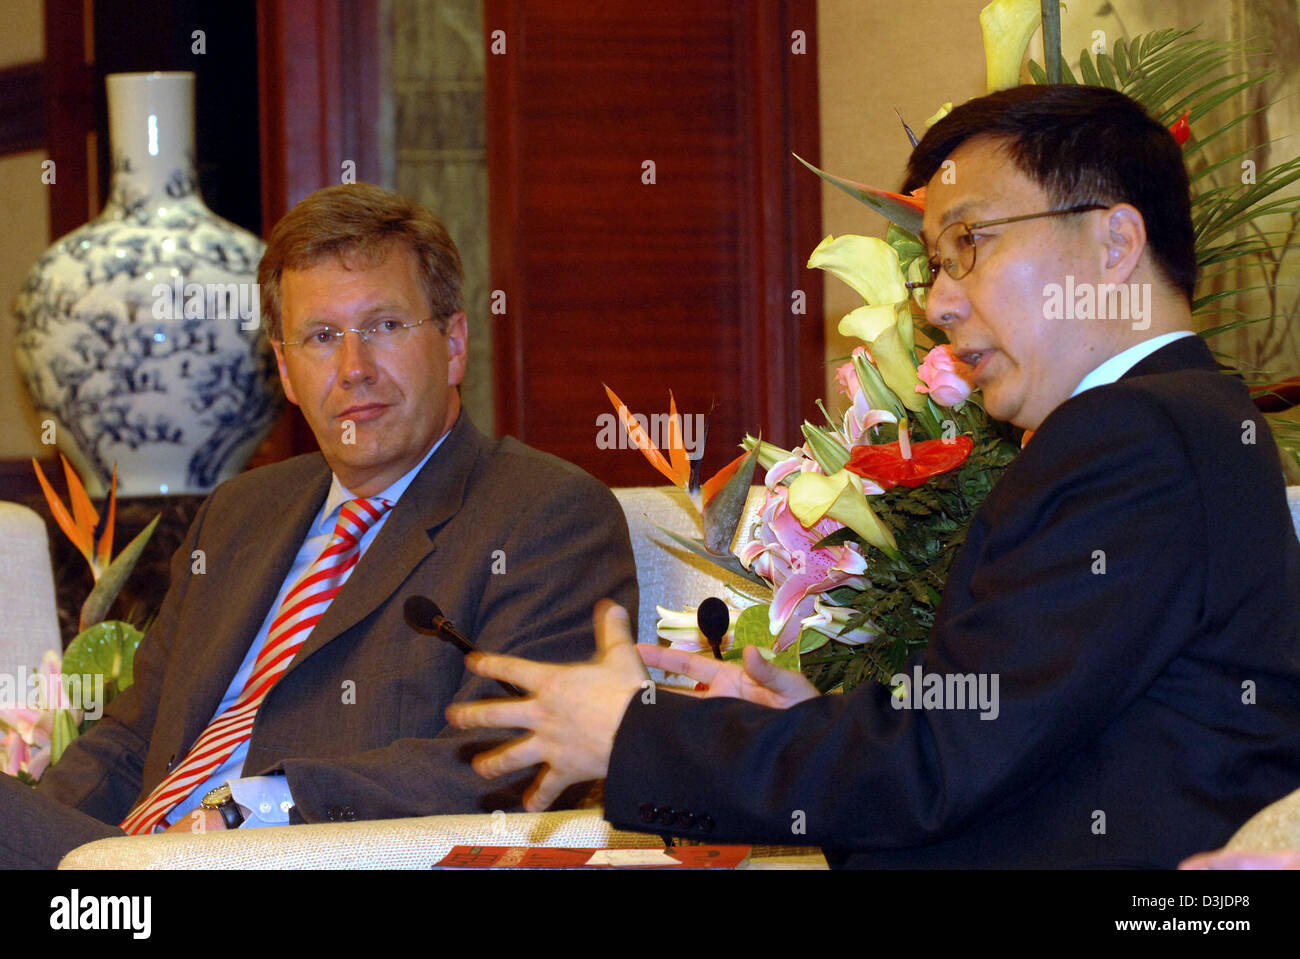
340	494
1121	363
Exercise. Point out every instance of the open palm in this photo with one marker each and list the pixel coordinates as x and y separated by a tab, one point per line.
757	681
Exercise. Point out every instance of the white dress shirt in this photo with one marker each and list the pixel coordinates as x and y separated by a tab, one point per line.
1121	363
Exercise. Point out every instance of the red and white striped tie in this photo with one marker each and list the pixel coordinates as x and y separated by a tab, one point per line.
302	608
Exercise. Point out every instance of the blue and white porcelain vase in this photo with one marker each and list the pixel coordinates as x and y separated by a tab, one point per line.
138	333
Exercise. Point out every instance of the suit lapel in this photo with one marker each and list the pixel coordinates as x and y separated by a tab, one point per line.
406	539
276	525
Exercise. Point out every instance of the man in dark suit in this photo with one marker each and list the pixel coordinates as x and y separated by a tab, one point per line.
1128	589
361	292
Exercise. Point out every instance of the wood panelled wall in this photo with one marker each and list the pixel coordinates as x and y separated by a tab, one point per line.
648	223
319	74
318	85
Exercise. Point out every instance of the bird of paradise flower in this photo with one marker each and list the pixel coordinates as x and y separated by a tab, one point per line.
92	534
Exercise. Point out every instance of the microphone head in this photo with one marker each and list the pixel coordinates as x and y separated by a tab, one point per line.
713	618
421	612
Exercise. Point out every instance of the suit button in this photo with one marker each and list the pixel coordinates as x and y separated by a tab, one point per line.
171	763
705	823
667	816
647	812
349	814
683	819
332	814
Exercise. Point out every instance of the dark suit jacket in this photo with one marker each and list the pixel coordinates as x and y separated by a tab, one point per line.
516	546
1146	711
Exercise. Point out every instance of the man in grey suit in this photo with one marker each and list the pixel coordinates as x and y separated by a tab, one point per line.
361	294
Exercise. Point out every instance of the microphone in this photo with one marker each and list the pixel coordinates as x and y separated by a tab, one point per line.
424	616
713	618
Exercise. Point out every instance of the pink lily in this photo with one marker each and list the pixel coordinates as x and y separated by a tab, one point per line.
27	745
785	556
800	462
859	418
13	754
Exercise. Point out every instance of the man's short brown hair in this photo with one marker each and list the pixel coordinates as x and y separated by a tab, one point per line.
360	220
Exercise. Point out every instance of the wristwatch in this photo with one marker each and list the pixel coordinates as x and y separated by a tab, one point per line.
223	802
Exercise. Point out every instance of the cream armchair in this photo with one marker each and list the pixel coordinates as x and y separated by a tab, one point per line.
415	843
30	625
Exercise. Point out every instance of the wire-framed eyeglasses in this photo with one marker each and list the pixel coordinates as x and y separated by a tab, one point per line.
383	334
955	248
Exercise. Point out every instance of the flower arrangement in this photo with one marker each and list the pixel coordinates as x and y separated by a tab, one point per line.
65	698
860	524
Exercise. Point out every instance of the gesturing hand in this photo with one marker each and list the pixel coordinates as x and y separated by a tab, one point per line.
758	681
572	712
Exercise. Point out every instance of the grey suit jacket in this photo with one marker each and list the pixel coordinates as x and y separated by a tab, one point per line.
516	546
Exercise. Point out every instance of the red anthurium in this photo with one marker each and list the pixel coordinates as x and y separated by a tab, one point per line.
1181	129
908	463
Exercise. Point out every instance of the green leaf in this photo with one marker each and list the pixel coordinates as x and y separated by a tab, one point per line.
879	395
1088	70
1212	168
826	450
751	630
1229	327
811	640
1201	101
837	538
101	597
105	649
884	203
62	733
1201	302
726	561
906	244
1105	72
723	512
1120	60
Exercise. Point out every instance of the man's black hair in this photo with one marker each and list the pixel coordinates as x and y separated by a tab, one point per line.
1081	144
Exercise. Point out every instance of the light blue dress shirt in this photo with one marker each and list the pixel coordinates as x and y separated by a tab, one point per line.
266	799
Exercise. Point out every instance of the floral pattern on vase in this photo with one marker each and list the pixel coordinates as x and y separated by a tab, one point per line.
138	333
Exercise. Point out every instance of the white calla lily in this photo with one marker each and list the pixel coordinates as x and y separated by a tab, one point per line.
866	263
1008	26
